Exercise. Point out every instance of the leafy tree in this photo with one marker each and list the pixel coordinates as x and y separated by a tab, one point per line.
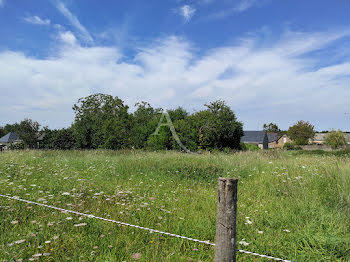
28	131
62	139
273	128
144	122
164	139
177	114
11	127
161	141
189	132
101	121
301	132
2	132
335	139
213	128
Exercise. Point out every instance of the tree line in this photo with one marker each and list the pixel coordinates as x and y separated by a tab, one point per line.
104	122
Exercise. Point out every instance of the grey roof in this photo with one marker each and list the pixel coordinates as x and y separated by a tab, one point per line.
40	138
272	137
253	136
9	138
322	136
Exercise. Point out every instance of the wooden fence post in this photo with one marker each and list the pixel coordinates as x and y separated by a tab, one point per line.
225	244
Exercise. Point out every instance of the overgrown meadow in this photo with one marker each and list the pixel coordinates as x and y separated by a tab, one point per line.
290	205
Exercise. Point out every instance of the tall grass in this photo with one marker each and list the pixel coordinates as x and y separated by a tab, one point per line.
290	205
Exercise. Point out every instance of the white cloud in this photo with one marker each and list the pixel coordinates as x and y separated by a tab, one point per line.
68	38
245	4
187	12
36	20
277	83
83	32
240	7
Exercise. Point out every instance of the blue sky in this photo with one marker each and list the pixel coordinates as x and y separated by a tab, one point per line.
271	60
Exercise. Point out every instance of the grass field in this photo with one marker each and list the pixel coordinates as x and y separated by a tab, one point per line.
290	205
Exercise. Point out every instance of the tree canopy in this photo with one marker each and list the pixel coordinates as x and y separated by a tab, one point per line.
273	128
301	132
335	139
101	121
215	127
104	121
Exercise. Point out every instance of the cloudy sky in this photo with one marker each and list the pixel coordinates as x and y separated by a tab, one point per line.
271	60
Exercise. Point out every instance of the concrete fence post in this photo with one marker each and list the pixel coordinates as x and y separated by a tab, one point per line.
225	244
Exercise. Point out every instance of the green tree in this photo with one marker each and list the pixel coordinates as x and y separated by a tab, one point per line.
61	139
164	138
216	127
273	128
101	121
11	128
2	132
144	122
301	132
160	141
335	139
28	131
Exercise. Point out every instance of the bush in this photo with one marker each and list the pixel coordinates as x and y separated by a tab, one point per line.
17	146
249	147
335	139
291	146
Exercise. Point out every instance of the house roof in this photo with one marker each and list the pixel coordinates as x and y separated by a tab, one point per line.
9	138
272	137
253	136
322	136
284	135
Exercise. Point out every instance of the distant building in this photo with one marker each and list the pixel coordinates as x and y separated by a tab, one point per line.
258	138
347	137
9	139
320	138
282	140
273	140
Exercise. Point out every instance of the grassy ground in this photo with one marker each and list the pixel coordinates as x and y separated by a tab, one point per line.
291	205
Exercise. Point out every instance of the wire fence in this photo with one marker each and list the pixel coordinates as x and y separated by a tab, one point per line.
136	226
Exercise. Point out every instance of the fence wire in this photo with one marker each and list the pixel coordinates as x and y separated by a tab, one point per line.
135	226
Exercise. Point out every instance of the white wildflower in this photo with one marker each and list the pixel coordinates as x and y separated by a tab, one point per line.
243	243
80	225
248	221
